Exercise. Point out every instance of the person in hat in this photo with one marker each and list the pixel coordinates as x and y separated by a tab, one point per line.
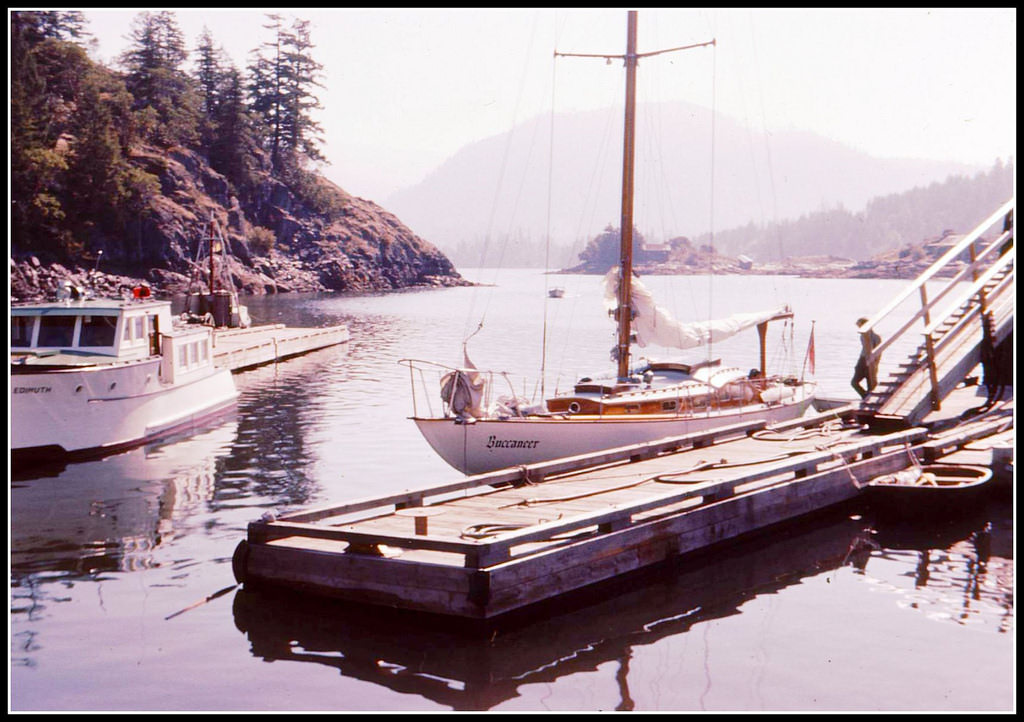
865	371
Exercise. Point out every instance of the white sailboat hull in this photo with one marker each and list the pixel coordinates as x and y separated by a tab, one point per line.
482	445
103	408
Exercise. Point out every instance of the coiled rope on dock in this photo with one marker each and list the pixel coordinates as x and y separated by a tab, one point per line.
831	430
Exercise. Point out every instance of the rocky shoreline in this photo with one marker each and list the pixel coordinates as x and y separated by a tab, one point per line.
31	280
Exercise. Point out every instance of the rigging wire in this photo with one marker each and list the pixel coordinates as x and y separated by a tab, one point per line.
601	156
547	244
501	178
711	182
766	136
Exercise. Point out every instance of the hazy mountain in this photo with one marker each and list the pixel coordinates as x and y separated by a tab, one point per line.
497	189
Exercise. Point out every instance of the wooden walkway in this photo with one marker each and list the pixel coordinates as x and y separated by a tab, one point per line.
242	348
497	542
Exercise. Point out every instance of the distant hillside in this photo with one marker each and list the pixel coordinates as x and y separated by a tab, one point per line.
498	188
886	223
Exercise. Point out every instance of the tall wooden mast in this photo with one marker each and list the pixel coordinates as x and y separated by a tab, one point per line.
623	314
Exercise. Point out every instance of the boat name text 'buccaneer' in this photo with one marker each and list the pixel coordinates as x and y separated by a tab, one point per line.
493	442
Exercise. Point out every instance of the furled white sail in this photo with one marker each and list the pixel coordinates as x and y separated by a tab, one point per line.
653	324
463	390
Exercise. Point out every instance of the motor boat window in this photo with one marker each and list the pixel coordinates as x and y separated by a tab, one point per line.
21	331
98	331
56	331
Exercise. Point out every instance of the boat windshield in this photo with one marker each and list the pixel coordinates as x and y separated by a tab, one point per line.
97	331
92	331
56	331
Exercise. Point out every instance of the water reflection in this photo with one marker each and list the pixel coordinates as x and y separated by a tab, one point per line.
962	565
89	520
477	668
278	406
108	514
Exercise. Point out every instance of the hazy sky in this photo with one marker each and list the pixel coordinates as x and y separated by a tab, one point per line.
406	88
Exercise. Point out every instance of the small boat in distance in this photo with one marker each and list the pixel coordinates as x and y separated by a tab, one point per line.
90	376
556	292
477	431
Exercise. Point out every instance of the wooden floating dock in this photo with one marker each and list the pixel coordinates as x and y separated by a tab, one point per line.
493	543
242	348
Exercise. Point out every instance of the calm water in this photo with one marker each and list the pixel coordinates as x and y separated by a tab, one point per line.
122	596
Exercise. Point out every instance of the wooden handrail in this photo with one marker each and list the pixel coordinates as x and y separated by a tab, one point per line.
974	290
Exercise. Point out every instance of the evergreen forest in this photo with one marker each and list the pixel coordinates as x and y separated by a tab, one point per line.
76	126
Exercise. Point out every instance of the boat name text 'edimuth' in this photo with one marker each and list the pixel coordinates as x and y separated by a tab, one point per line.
32	389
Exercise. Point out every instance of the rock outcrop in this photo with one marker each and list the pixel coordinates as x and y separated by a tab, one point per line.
277	242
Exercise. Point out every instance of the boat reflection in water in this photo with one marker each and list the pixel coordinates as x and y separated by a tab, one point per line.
467	668
111	513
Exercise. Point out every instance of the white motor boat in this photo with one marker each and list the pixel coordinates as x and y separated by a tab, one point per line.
90	376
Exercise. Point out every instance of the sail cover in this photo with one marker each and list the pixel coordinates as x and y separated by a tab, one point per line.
653	324
463	390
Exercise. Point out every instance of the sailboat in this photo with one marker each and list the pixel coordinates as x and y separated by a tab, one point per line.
476	432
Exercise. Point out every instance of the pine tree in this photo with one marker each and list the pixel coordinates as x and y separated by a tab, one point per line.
39	25
211	67
266	86
300	131
156	80
235	143
282	76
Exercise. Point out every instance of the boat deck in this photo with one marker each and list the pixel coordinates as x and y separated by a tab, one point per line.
242	348
489	544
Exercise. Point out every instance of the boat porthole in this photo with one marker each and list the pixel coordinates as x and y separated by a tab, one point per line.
113	385
78	389
574	408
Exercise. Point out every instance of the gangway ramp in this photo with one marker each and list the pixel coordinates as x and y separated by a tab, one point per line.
973	294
